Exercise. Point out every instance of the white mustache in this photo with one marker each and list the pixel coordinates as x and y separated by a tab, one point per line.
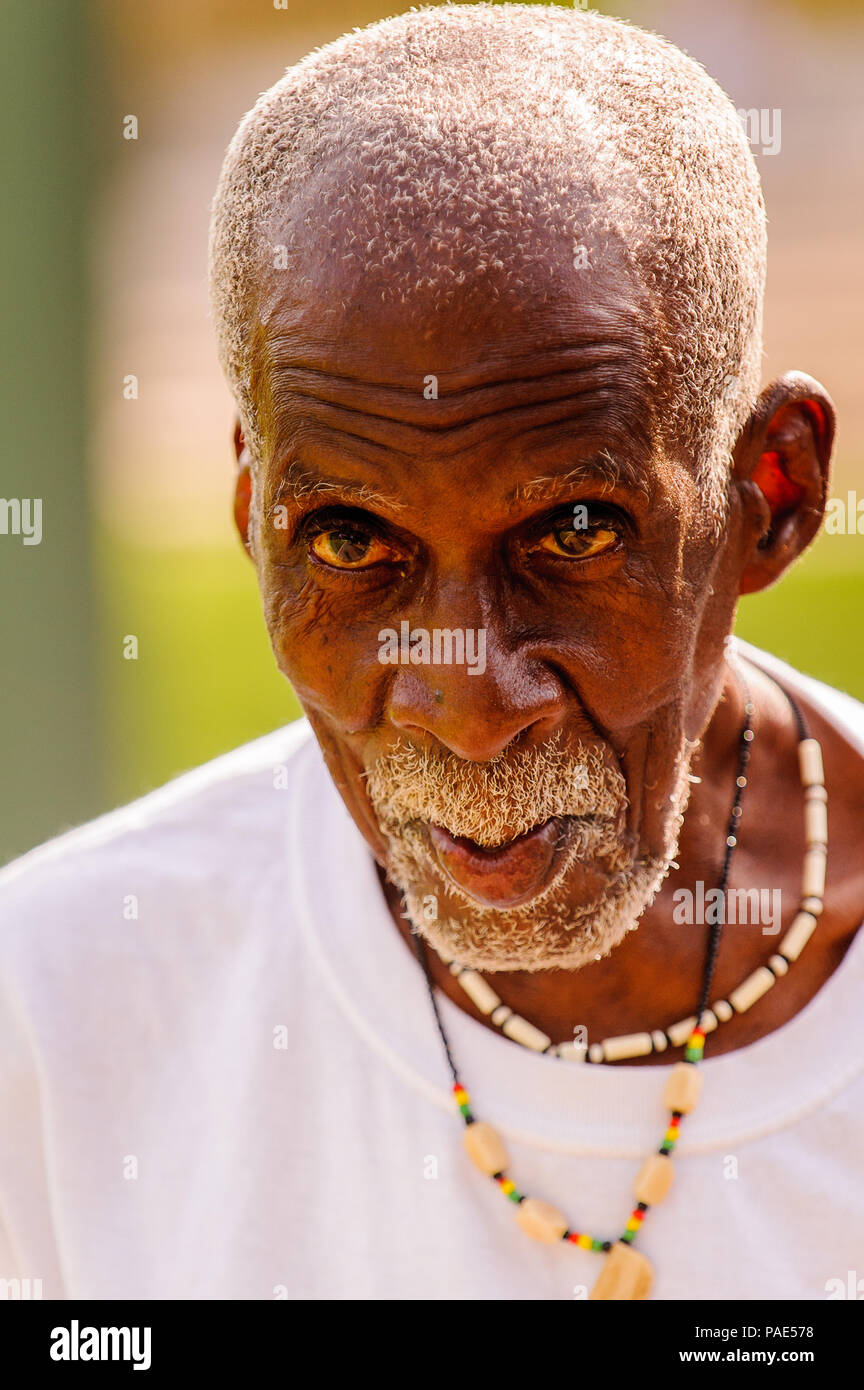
494	802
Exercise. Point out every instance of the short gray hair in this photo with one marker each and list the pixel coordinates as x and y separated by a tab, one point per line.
591	125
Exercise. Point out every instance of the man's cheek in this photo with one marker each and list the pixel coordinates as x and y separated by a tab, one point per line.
329	669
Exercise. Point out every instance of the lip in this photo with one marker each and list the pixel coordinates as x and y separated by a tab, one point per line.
508	875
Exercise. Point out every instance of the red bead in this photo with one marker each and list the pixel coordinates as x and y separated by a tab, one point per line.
574	1236
638	1215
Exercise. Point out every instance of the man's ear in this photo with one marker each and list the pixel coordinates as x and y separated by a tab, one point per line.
781	463
243	487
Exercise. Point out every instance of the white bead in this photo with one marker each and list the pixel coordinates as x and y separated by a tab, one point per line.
501	1015
572	1052
812	905
628	1045
751	989
798	935
521	1031
455	968
813	874
816	823
660	1041
810	762
595	1052
479	992
708	1022
778	965
678	1033
815	793
723	1009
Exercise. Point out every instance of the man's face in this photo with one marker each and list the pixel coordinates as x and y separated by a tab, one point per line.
494	594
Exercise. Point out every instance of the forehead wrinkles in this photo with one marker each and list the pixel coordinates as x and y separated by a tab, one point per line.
606	387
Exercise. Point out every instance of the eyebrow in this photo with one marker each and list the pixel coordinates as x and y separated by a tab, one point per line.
611	472
298	483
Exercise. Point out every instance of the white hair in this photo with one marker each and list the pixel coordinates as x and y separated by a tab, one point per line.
465	129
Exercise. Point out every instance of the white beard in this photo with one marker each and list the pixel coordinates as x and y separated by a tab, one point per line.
494	802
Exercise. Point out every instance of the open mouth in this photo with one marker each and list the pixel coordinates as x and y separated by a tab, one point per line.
509	874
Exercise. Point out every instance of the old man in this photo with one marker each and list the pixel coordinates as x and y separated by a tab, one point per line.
411	1009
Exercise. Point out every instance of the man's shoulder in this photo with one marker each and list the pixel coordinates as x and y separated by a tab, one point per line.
194	831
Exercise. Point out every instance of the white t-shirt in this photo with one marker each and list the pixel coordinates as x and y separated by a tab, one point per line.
220	1078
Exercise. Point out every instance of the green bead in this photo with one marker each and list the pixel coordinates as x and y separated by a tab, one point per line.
466	1110
693	1054
666	1148
515	1196
627	1237
596	1245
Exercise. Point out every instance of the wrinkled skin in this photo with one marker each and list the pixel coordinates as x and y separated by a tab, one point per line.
623	650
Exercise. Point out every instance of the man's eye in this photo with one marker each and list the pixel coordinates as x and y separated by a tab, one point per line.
574	541
346	548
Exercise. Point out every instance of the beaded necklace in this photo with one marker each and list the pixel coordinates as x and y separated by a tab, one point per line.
627	1273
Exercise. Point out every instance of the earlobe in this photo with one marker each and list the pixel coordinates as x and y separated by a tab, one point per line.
243	488
242	504
782	465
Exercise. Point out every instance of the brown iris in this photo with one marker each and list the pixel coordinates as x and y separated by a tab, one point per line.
577	542
347	547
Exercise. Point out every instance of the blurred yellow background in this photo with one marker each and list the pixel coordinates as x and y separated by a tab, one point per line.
146	518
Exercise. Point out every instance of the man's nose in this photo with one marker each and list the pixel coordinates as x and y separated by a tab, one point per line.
477	716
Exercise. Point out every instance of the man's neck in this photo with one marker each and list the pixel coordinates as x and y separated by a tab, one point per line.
653	979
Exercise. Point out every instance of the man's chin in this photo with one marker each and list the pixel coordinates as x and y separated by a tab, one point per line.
550	932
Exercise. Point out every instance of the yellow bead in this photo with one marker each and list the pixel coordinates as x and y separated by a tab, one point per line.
585	1241
540	1220
626	1275
461	1097
683	1087
507	1187
671	1134
485	1148
654	1180
633	1224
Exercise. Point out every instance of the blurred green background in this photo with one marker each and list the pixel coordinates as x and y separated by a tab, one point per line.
104	257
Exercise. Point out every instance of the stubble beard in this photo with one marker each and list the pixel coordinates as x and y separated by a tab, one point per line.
491	802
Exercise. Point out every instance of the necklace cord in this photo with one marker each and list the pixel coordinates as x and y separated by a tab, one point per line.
420	948
716	933
627	1274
